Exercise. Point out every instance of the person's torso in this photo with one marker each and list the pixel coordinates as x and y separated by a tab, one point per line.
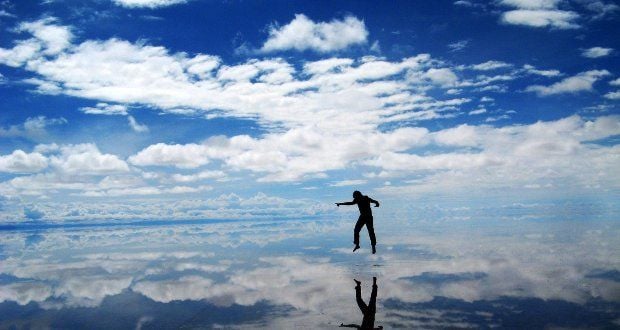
363	203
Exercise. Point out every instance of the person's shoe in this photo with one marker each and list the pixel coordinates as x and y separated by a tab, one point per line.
356	248
374	250
358	283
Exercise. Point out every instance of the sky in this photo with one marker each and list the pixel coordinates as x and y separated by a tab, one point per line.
174	109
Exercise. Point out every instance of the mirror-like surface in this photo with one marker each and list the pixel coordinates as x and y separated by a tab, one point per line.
510	272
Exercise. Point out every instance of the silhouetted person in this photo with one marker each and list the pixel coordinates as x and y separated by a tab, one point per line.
368	323
363	203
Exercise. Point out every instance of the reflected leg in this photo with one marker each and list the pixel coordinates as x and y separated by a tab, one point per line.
372	304
358	297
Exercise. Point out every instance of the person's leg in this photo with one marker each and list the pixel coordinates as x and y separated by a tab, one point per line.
371	233
356	232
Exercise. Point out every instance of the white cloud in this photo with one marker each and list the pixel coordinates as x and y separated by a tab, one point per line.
269	91
515	156
465	3
462	135
375	47
147	3
345	183
458	45
613	95
288	156
575	84
443	77
25	292
545	73
328	65
32	128
54	38
137	127
531	4
477	111
615	82
539	13
601	8
21	162
596	52
304	34
4	13
321	117
490	65
86	159
541	18
182	156
103	108
203	175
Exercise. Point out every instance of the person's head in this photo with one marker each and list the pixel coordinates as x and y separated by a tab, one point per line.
357	194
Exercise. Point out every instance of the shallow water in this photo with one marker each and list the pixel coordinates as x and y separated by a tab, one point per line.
517	273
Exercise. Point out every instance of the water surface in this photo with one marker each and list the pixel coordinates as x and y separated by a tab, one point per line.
445	273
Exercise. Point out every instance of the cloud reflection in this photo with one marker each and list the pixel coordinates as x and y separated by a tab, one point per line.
293	274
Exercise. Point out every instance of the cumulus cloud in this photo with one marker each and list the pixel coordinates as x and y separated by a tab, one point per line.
182	156
288	156
54	38
317	117
538	13
48	39
542	18
531	154
152	4
86	159
443	77
270	91
22	162
596	52
304	34
575	84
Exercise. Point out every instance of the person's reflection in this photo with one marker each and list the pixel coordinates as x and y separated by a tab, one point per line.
368	310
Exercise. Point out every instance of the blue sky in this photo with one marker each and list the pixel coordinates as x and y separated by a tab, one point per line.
208	109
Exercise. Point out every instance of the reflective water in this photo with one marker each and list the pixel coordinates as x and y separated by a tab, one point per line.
509	273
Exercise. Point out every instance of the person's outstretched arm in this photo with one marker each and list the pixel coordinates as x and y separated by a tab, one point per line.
346	203
374	201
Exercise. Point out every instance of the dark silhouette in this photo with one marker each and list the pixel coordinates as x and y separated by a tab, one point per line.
363	203
368	323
